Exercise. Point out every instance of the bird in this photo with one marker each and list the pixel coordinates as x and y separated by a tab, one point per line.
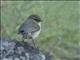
31	28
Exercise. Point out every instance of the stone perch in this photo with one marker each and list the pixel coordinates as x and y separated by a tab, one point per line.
15	50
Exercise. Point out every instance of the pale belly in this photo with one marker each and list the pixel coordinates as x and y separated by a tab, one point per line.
36	34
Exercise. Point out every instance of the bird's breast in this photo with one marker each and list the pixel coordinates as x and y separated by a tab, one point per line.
35	34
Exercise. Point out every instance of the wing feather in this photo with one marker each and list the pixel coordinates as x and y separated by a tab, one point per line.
29	26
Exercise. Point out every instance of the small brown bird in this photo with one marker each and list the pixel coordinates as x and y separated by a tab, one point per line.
31	28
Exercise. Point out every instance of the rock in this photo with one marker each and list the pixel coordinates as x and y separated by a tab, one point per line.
14	50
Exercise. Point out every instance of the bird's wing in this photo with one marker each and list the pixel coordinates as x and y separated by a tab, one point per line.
29	27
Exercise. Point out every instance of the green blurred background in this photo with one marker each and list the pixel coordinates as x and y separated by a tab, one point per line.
60	27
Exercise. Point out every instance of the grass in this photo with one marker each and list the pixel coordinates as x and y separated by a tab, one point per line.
60	28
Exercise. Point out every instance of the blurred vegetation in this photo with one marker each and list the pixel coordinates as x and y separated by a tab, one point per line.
60	28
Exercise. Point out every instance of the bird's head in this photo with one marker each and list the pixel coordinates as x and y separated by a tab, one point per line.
35	17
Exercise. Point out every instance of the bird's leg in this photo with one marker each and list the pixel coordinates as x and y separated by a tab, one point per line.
30	36
33	42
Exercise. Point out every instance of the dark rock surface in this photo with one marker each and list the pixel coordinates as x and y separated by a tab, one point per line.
14	50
